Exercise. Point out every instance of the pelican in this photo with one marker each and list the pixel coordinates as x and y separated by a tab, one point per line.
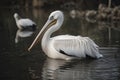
24	23
65	47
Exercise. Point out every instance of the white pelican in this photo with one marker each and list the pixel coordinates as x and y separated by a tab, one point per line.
24	23
64	46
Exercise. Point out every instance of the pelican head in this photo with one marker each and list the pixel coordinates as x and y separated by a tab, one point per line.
53	23
16	16
56	19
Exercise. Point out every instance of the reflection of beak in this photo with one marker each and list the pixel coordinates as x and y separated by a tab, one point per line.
41	33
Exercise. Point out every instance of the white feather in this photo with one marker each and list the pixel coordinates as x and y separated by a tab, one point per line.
76	46
25	22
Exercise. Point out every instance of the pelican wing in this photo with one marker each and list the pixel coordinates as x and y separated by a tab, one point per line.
76	46
26	22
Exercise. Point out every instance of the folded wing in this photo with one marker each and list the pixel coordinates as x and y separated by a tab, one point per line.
76	46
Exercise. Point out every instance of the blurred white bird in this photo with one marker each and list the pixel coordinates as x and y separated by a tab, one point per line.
24	23
65	47
22	34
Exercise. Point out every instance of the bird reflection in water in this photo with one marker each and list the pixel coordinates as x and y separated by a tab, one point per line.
22	34
53	69
50	68
65	70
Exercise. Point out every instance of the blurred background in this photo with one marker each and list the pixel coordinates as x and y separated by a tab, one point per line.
62	4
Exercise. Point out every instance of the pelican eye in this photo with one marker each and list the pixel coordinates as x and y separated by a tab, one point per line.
52	17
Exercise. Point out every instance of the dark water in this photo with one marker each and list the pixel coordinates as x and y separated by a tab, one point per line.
16	63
